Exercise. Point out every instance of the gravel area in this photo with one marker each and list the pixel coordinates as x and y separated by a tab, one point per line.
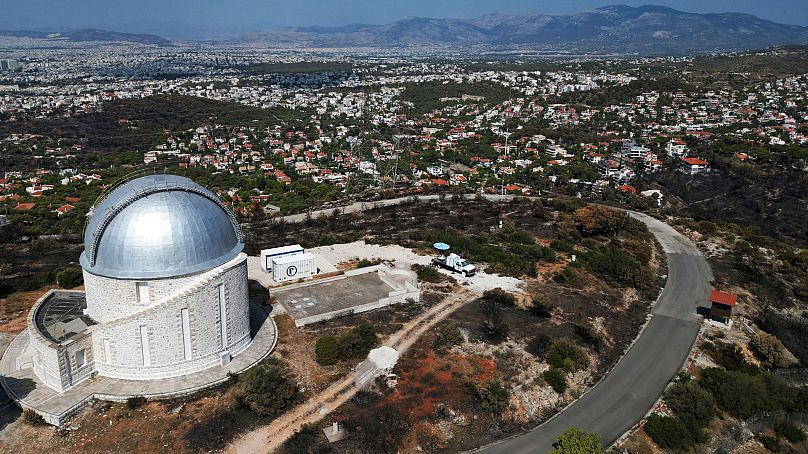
401	257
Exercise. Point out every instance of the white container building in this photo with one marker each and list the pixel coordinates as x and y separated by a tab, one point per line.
267	255
292	267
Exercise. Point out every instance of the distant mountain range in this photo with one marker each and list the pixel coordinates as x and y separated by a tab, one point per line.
616	29
612	29
88	34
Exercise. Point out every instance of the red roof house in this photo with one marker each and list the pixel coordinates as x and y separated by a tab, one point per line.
721	304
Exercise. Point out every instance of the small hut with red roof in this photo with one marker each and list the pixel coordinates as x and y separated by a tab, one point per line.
721	304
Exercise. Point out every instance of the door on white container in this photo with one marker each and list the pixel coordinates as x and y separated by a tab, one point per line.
142	292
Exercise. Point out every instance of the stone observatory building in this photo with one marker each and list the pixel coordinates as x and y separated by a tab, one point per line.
165	289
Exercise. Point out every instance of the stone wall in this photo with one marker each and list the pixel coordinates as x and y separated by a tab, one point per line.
45	356
55	363
109	299
118	344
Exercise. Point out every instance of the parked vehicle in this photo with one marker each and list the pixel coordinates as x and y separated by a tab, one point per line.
456	264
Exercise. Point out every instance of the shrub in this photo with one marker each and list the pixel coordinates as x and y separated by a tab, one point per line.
380	429
770	351
692	405
493	397
791	330
353	344
450	335
308	439
538	346
33	418
70	277
730	357
744	395
770	443
360	340
557	379
594	220
668	432
541	306
135	402
494	325
790	432
576	441
520	236
327	350
427	273
499	296
561	349
568	276
326	239
618	267
562	246
587	332
267	390
364	263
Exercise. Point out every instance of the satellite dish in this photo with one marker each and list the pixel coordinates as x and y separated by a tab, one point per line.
441	246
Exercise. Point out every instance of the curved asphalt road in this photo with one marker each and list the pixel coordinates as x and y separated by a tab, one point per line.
621	399
632	387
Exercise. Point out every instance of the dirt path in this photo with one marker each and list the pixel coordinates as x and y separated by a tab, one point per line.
270	437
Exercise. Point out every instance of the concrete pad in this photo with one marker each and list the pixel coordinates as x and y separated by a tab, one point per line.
353	292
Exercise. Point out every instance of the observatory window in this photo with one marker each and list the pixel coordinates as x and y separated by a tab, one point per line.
142	292
80	360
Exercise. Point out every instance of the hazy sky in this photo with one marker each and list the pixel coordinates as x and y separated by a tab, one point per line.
225	17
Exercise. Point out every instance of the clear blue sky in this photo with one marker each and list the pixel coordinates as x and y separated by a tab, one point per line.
223	17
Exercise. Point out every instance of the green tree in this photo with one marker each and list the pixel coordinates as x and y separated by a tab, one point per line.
70	277
577	441
267	390
668	432
691	404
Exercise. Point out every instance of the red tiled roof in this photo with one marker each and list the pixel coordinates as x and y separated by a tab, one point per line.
25	206
727	299
695	161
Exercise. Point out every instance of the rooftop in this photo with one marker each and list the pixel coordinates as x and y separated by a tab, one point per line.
61	316
727	299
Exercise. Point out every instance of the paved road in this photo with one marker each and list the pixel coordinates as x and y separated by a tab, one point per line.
630	389
627	393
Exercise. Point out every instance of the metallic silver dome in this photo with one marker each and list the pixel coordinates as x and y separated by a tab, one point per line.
159	226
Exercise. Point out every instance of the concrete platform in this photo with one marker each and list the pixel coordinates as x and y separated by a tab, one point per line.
354	291
28	392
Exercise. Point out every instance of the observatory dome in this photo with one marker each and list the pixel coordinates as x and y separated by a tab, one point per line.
159	226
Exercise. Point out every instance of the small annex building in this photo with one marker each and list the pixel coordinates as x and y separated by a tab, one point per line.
721	304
